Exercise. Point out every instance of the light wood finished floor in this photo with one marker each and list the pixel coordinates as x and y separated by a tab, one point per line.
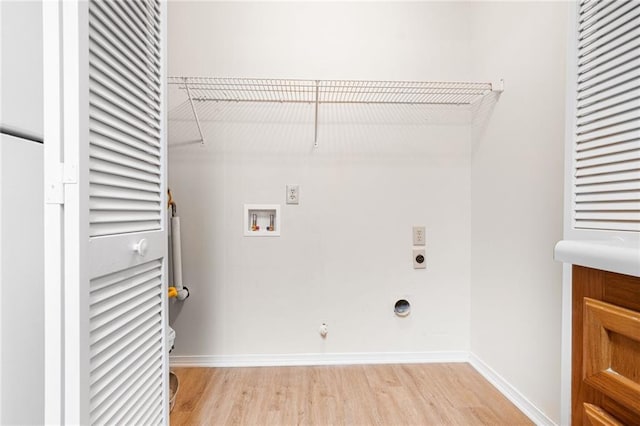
417	394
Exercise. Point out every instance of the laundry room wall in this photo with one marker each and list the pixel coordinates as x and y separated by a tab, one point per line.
517	198
345	252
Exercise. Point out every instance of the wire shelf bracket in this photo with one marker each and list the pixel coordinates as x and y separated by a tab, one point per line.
315	126
193	108
318	92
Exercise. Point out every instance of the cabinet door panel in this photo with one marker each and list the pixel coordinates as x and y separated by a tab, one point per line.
621	290
612	351
606	345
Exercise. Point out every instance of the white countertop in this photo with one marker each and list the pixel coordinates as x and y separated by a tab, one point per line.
608	255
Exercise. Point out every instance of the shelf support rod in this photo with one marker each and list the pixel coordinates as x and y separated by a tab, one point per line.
315	134
195	113
497	86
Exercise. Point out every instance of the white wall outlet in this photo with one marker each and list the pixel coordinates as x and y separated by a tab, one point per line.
419	259
419	238
293	194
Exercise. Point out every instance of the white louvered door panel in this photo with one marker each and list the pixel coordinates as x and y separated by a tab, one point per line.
106	163
607	140
125	165
127	357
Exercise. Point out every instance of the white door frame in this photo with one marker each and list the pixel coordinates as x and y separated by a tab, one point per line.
65	207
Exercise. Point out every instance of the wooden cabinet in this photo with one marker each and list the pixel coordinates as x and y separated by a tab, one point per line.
606	348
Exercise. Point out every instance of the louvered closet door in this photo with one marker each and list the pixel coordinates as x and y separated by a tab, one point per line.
607	157
127	241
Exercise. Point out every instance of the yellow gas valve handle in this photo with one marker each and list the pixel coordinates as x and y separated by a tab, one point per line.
173	292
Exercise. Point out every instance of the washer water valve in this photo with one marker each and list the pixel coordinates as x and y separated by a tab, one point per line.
254	222
324	330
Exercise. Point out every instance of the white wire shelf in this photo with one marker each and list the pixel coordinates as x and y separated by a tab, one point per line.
330	92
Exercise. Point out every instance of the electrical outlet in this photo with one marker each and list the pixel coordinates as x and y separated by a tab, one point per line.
419	238
293	194
419	259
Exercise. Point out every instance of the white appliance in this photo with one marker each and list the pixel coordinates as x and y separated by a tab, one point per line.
21	214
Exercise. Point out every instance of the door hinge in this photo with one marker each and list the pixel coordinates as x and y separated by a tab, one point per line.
64	174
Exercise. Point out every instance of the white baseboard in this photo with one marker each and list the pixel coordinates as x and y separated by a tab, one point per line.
511	393
272	360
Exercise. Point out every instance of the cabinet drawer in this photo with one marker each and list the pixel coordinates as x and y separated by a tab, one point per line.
611	351
596	416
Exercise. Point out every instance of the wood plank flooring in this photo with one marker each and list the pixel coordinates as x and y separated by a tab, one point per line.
408	394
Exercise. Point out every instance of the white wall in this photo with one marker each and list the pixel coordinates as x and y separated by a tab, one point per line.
517	198
342	40
489	194
344	256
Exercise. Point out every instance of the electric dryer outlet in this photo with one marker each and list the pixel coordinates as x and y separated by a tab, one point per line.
419	259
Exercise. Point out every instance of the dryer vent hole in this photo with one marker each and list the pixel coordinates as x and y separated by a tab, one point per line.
402	308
